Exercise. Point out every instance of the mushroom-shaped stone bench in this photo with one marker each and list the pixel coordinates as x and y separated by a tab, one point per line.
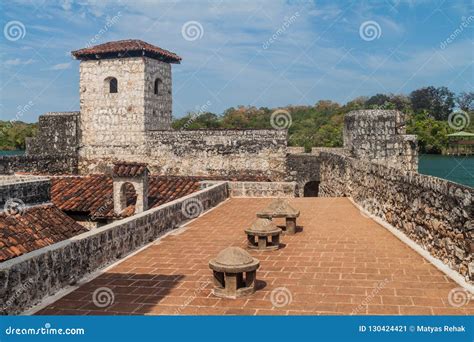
229	267
263	234
281	208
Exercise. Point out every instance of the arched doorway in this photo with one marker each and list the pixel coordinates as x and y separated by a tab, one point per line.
311	189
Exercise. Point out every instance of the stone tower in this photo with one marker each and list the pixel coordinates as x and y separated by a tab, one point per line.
125	91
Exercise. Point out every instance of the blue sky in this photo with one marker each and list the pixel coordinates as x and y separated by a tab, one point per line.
319	49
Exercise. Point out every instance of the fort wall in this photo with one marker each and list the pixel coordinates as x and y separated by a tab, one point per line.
27	279
240	154
433	212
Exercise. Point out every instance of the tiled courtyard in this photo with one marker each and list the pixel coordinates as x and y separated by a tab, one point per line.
339	263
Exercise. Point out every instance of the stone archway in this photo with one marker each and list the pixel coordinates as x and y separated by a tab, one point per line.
128	195
311	189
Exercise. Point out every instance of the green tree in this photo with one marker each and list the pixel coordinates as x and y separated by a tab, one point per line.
438	102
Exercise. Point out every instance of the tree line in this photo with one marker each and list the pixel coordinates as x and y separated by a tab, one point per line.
428	111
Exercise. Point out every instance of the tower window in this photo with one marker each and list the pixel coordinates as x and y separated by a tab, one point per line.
111	85
158	85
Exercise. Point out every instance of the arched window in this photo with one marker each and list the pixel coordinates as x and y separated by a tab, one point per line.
157	87
111	85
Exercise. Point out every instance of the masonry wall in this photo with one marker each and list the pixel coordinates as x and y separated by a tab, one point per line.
302	168
44	164
380	136
262	189
29	190
112	119
239	154
27	279
435	213
158	107
58	133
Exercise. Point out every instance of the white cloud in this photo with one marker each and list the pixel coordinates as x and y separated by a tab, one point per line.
18	61
61	66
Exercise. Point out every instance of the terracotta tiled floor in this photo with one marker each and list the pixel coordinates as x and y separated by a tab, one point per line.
340	263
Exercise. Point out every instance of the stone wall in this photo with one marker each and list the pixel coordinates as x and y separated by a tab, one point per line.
239	154
302	168
262	189
435	213
44	164
105	115
158	107
47	270
380	136
29	190
58	133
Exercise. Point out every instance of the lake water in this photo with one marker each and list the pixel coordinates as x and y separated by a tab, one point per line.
456	169
11	153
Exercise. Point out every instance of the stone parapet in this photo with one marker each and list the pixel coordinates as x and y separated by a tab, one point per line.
433	212
262	189
27	279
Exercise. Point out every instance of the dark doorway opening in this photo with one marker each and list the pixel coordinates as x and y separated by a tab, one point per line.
311	189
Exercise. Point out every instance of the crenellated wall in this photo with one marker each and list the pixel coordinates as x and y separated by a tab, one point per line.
435	213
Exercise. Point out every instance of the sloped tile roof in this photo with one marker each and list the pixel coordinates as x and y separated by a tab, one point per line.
34	228
93	195
125	169
128	46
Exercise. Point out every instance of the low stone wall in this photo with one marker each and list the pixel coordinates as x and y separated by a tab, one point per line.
29	190
46	164
26	280
435	213
262	189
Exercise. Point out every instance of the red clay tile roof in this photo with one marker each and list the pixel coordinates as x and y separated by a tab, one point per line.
125	169
93	195
128	47
34	228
